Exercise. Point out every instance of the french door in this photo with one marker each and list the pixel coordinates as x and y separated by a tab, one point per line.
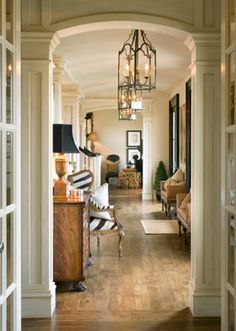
10	258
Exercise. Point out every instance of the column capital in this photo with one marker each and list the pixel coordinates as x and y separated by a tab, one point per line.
147	109
58	70
72	91
38	45
204	47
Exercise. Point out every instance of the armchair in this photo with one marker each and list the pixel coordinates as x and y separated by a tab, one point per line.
112	166
183	207
170	188
104	218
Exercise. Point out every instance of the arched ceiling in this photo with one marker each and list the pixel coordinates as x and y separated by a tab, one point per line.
91	56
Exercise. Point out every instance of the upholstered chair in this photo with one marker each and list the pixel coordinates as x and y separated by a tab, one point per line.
170	188
104	219
183	208
112	166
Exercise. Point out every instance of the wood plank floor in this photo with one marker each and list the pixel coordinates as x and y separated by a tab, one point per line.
145	290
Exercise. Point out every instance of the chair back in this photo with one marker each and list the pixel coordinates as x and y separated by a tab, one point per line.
82	179
113	158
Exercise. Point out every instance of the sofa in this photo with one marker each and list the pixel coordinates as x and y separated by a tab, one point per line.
170	188
183	208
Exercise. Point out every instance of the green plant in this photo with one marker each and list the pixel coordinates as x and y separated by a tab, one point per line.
161	174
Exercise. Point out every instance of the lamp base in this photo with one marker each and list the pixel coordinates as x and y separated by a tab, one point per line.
60	189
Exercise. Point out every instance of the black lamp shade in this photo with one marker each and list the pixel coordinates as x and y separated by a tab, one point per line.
63	141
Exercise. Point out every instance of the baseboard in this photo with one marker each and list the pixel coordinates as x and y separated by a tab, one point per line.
39	303
204	303
146	196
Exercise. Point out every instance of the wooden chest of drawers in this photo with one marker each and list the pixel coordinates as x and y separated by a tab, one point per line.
71	239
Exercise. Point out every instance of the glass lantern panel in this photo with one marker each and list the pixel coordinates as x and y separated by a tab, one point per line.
231	96
231	244
231	170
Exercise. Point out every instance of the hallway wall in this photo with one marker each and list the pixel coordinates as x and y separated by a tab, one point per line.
111	135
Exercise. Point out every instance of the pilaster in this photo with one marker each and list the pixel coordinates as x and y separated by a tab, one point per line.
71	96
147	153
58	73
38	288
204	289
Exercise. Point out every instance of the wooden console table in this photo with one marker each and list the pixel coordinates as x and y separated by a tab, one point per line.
71	238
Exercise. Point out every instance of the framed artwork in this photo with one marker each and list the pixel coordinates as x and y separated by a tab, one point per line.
133	138
183	134
131	152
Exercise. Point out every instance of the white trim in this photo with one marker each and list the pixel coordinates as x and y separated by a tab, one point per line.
204	302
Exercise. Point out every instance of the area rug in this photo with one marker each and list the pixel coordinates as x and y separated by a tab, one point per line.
160	226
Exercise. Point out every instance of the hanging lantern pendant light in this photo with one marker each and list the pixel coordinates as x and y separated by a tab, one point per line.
137	63
136	73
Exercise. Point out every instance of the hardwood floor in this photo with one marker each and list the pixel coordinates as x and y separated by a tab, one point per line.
145	290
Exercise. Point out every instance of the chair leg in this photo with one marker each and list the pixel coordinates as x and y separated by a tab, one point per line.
98	240
120	242
162	205
168	210
179	228
185	235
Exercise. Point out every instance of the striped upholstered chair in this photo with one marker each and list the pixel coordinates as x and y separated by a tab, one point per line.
104	218
82	179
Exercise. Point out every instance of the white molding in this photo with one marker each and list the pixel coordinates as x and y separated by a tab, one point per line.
204	302
38	304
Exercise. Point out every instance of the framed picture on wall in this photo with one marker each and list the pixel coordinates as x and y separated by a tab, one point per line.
131	152
133	138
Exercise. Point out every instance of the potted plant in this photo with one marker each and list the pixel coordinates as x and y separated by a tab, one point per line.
161	174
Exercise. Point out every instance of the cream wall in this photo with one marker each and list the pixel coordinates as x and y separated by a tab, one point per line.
111	135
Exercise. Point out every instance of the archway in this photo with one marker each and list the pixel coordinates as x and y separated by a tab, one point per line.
204	289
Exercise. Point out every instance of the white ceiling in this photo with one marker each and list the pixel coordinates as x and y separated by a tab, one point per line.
91	57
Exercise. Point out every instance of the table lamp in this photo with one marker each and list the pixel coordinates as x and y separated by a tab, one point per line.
63	142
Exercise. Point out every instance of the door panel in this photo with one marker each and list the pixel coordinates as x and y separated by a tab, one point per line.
10	291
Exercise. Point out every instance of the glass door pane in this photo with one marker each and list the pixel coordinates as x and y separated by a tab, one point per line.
9	20
231	28
10	311
9	87
9	174
230	312
0	83
231	96
1	260
231	245
231	170
1	169
10	249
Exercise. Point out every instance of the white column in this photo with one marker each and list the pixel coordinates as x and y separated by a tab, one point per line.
204	290
82	124
147	155
57	81
71	114
38	288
